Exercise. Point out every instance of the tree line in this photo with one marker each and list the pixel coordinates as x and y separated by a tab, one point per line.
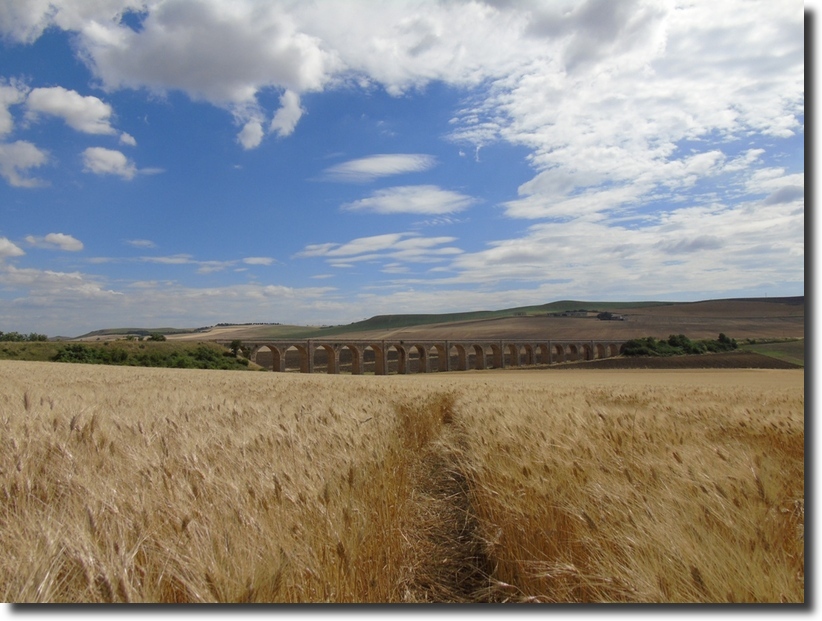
16	337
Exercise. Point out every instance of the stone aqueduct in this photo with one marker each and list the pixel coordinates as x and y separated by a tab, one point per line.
418	356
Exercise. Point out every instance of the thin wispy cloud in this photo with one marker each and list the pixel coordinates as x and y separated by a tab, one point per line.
368	169
141	243
412	199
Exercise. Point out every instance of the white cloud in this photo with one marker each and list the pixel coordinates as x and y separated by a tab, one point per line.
203	266
9	249
56	241
102	161
286	118
619	105
393	247
359	246
376	166
177	259
25	20
141	243
704	248
87	114
72	303
225	53
259	261
638	73
16	159
413	199
11	93
251	135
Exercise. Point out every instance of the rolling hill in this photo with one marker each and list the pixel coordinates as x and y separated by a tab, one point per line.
741	318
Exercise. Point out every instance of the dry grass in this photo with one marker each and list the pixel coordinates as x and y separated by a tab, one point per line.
160	485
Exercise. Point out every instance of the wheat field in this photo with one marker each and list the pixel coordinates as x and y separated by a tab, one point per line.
122	484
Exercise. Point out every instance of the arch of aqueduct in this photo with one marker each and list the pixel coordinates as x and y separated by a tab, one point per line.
419	356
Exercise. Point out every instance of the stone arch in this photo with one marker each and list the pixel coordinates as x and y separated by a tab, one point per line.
421	358
613	350
572	352
439	353
396	357
324	355
587	351
459	352
525	355
497	359
514	355
542	354
264	355
373	359
296	355
478	351
350	359
559	350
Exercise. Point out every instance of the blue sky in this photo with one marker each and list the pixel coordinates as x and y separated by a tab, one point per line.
184	163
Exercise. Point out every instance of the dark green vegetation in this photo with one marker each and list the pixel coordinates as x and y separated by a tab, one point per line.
16	337
180	355
189	356
676	345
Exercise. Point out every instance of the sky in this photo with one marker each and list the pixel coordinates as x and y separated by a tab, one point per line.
185	163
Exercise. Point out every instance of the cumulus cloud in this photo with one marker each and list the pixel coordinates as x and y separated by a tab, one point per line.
376	166
286	118
618	104
12	92
251	135
102	161
9	249
56	241
413	199
538	72
16	159
87	114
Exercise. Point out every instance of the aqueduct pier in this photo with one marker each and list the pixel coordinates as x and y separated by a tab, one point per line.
383	357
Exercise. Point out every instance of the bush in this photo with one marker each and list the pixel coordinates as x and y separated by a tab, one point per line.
183	357
676	345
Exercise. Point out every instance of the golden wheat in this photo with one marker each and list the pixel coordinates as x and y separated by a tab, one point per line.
157	485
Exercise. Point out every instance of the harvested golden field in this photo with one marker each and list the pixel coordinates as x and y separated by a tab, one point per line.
175	485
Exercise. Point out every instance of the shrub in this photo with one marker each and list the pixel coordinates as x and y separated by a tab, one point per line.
676	345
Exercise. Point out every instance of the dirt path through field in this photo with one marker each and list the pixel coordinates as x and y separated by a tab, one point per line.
453	566
447	558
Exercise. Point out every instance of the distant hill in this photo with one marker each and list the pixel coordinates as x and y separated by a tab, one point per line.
135	331
394	322
730	307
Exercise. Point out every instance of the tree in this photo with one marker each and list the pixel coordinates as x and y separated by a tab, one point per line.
236	346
